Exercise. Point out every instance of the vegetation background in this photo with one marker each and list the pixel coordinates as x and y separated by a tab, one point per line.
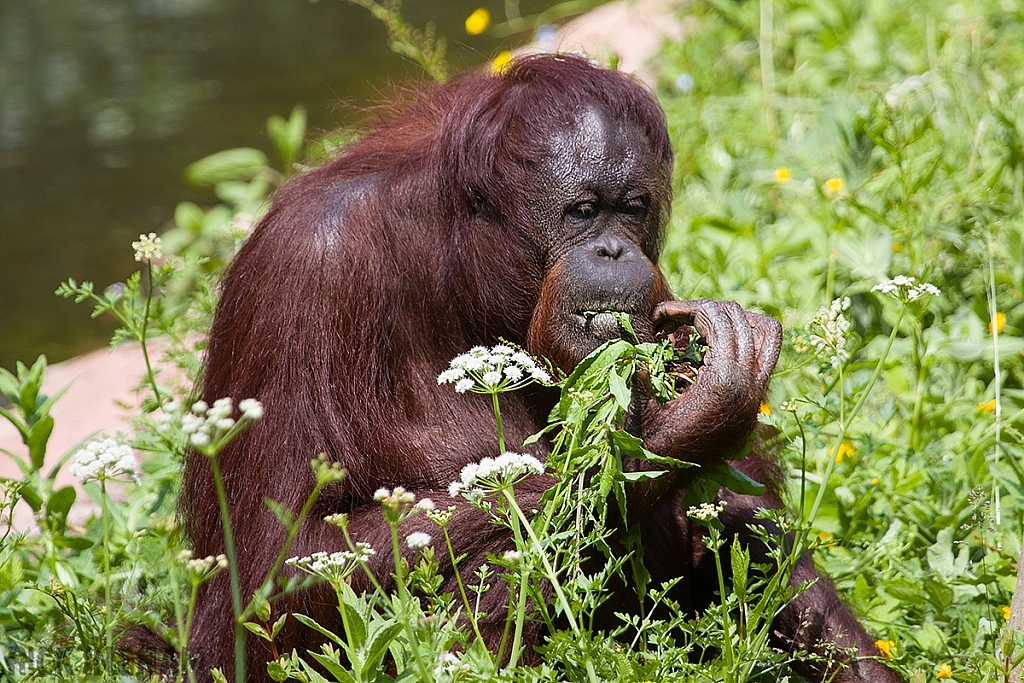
824	147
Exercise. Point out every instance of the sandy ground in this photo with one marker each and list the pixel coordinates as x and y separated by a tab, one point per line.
101	398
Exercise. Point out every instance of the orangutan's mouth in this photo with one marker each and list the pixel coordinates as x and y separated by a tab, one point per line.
602	325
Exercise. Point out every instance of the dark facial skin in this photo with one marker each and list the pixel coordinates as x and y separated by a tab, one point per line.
601	235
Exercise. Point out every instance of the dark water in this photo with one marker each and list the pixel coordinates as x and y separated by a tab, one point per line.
104	102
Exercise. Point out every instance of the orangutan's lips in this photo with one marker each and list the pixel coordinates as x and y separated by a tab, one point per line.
603	325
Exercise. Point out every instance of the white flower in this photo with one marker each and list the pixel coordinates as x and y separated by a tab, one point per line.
425	504
200	569
380	495
451	375
200	439
336	566
512	556
417	540
494	473
147	247
830	340
486	371
705	511
251	408
902	288
103	459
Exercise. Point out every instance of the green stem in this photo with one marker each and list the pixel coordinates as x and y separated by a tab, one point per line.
188	630
179	619
108	633
802	539
768	68
142	335
520	615
730	657
470	614
236	591
555	584
497	420
915	421
404	598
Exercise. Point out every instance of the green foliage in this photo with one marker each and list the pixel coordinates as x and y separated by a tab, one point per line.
886	146
823	147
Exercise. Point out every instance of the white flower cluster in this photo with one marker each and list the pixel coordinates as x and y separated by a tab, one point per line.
202	568
147	248
900	92
486	371
417	540
833	326
399	496
448	665
206	424
103	459
705	512
333	566
490	474
902	288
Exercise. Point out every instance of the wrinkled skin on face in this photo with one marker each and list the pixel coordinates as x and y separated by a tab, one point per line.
602	238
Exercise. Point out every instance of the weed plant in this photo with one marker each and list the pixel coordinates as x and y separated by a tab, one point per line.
855	169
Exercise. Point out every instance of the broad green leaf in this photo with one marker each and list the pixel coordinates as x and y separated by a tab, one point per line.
38	435
241	163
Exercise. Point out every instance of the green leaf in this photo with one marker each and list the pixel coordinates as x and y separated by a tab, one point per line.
641	476
278	625
13	419
334	668
736	481
619	390
253	627
288	135
60	502
74	542
276	671
188	217
740	560
380	640
241	163
29	494
262	607
306	621
38	435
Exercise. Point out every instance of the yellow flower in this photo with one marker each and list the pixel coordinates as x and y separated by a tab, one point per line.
834	186
885	647
945	671
997	323
478	21
501	62
1006	612
874	482
826	538
765	408
845	451
987	406
783	174
897	247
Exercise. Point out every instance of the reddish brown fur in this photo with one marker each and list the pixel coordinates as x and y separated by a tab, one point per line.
363	280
